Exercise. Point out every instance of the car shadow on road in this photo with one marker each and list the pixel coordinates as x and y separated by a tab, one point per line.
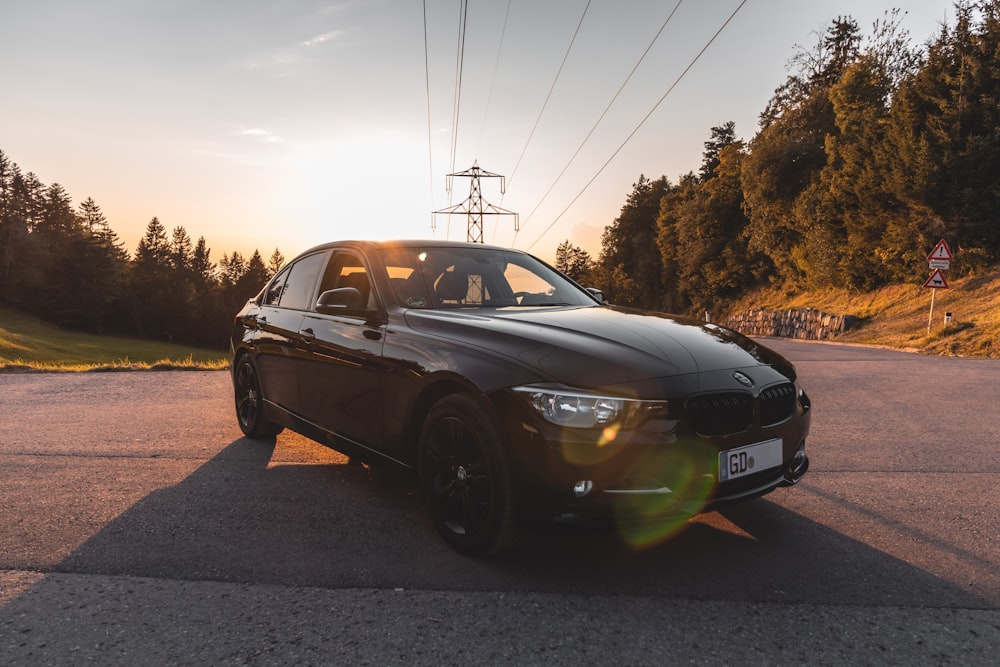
244	517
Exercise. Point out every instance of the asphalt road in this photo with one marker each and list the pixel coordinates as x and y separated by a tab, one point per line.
138	527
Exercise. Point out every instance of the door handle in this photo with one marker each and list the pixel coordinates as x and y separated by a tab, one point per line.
308	335
372	334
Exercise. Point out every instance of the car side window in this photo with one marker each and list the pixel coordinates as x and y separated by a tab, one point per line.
347	270
299	289
273	294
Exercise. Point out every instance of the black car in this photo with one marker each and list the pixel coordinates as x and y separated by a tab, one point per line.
514	394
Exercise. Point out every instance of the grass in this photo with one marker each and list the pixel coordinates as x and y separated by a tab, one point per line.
29	345
897	315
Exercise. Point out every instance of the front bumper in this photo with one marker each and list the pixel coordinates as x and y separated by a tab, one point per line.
661	471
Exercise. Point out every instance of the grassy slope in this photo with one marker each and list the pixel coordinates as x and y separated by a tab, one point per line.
897	315
28	343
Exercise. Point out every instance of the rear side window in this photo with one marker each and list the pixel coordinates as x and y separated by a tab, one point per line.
273	294
299	290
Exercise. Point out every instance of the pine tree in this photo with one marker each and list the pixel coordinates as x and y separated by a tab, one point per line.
152	284
202	268
275	263
722	136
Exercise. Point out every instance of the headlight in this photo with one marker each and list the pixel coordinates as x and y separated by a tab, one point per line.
580	409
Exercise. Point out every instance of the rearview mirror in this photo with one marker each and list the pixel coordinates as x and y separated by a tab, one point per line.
598	294
340	301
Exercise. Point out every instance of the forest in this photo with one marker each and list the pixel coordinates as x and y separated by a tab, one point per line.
871	151
68	267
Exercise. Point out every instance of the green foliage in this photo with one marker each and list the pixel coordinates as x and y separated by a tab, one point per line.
575	262
69	268
629	246
868	154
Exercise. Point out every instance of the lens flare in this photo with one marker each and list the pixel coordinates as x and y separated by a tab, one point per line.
589	454
608	435
645	520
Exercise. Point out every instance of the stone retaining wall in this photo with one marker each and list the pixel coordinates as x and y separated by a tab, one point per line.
805	323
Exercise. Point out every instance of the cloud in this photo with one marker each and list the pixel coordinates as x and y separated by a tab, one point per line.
263	135
325	37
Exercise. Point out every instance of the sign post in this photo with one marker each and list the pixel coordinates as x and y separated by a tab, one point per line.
939	260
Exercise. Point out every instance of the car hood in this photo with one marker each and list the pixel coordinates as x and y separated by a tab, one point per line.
599	346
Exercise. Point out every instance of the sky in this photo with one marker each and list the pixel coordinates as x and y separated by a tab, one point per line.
263	124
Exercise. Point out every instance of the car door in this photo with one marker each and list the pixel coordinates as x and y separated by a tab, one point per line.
278	342
340	378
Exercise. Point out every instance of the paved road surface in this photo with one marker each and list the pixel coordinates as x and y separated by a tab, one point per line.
137	527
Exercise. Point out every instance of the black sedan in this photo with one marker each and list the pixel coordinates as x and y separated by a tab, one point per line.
514	394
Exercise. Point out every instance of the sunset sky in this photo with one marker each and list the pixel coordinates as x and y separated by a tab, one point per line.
287	123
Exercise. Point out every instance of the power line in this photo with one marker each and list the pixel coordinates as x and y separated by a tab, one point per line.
496	66
551	88
641	123
605	112
462	17
430	139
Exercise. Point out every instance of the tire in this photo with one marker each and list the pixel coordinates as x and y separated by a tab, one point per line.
465	478
250	402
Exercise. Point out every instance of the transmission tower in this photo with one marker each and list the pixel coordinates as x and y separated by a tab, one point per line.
474	207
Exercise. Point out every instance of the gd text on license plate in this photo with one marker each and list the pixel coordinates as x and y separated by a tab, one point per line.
747	460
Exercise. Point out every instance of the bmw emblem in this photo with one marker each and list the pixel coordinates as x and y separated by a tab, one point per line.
742	379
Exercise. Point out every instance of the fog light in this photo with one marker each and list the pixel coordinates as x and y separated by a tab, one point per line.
583	488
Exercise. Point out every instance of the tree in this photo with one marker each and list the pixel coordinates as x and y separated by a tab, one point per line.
629	245
275	263
575	262
254	278
59	237
944	122
788	154
152	284
91	216
241	279
97	264
181	252
232	268
202	268
13	231
668	221
712	259
722	136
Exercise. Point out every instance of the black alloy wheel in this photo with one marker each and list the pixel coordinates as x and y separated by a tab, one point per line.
464	478
250	402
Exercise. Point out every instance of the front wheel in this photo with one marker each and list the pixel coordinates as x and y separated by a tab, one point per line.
465	478
250	402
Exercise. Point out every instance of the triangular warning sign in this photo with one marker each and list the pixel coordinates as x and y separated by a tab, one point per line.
941	251
937	281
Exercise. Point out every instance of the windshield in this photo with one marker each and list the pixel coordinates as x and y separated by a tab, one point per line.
458	277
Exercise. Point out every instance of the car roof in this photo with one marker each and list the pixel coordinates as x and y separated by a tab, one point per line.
404	243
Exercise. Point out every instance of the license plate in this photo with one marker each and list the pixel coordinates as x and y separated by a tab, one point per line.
734	463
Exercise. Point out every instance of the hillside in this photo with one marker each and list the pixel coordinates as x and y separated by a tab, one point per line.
27	343
897	315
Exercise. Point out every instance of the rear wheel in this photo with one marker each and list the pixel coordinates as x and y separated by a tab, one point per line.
250	402
465	478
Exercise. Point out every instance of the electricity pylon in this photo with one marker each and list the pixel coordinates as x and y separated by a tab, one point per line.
474	207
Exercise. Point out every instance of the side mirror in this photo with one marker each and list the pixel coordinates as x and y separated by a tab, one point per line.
598	294
340	301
